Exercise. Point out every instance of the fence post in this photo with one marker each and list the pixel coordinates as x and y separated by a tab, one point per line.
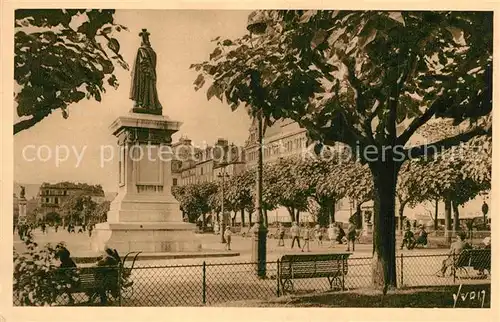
402	269
204	284
278	278
344	259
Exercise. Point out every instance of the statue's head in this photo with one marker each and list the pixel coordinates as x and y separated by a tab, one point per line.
145	37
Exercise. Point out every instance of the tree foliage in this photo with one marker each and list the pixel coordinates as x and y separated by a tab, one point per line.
195	199
35	278
78	209
353	76
58	62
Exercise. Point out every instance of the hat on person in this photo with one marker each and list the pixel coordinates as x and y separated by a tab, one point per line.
108	250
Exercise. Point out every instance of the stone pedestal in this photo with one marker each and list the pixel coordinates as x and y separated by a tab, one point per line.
22	210
144	216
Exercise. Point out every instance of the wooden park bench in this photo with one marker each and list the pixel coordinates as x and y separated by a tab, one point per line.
95	280
477	259
303	266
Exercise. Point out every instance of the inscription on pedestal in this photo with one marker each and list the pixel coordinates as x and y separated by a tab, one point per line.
148	188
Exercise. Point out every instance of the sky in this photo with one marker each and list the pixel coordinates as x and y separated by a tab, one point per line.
180	38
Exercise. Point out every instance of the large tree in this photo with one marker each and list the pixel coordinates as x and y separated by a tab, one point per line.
59	62
239	193
368	79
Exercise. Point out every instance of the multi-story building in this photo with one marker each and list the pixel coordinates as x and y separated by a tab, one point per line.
204	165
52	196
284	138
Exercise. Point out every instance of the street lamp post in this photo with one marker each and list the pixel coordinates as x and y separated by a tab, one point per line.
257	25
222	175
484	207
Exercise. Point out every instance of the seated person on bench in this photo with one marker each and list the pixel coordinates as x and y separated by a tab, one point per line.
455	249
67	266
408	238
422	237
107	276
486	245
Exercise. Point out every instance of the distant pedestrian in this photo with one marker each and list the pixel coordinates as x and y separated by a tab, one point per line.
351	236
306	236
331	235
295	231
318	234
281	235
227	236
216	228
56	227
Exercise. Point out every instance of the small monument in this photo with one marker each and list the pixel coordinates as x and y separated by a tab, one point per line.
22	206
144	216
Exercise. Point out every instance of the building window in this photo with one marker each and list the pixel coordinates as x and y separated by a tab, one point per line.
47	200
56	200
174	181
201	169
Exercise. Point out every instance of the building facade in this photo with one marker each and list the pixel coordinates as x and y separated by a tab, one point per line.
196	165
51	196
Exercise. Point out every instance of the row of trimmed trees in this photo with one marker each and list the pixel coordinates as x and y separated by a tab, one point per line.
316	184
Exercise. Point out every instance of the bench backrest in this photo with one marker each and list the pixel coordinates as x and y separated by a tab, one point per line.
474	257
314	264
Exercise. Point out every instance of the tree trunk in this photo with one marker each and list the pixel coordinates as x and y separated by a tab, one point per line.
291	211
266	219
447	220
384	219
332	211
456	218
297	216
359	216
249	219
436	208
204	221
242	211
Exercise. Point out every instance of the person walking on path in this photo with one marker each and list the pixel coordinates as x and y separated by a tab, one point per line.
281	235
227	236
306	236
295	231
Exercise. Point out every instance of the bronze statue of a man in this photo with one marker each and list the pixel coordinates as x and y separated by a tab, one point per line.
143	89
